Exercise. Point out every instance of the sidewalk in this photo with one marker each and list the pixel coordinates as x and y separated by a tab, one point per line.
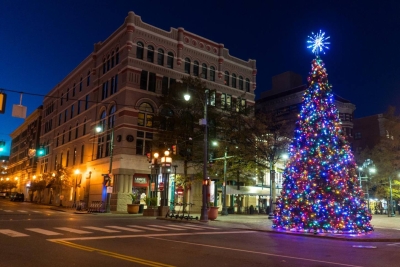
386	229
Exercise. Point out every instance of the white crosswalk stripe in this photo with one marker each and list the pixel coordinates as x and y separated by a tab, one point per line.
101	229
147	228
168	227
43	231
8	210
12	233
22	210
125	228
200	227
72	230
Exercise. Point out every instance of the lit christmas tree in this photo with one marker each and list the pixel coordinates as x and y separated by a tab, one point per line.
320	191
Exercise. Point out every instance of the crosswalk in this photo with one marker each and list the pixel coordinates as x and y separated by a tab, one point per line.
44	211
87	230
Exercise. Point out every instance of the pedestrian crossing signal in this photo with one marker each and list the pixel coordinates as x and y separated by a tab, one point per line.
174	149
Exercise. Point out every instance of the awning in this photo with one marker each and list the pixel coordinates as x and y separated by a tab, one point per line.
247	190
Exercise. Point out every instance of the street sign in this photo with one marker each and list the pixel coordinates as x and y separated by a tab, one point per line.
161	186
109	189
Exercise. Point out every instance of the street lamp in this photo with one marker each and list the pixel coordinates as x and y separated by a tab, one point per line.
76	185
204	207
392	214
111	149
154	182
166	163
369	166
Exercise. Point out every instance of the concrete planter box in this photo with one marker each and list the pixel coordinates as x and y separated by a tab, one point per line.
150	212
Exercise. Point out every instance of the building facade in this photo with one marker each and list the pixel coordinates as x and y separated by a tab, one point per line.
23	161
116	87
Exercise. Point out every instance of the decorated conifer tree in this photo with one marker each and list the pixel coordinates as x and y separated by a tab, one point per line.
320	190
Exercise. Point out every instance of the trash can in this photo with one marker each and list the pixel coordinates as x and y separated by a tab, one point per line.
141	208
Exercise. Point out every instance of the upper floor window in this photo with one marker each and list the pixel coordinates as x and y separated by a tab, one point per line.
111	117
139	50
88	78
233	80
187	65
145	117
170	60
167	122
104	93
61	99
150	53
195	68
104	66
102	123
112	59
80	85
73	91
240	82
204	71
76	130
247	85
67	95
160	57
148	81
108	62
226	78
212	74
117	56
114	84
86	102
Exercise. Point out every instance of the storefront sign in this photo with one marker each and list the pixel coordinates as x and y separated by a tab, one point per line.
140	180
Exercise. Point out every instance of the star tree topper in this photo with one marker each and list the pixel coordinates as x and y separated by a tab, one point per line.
318	42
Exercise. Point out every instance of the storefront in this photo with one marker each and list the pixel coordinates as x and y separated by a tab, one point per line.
140	185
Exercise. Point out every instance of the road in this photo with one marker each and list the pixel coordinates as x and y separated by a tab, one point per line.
32	235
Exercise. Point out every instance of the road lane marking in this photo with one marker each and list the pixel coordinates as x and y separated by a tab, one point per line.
150	235
72	230
125	228
168	227
147	228
8	210
12	233
37	211
196	227
113	254
101	229
42	231
22	210
254	252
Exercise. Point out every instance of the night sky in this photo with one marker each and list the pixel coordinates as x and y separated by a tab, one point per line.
42	41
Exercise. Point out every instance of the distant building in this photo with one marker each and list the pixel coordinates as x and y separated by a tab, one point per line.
368	131
23	162
286	96
116	87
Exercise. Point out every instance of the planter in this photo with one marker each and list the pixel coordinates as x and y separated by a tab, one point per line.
213	213
133	208
150	212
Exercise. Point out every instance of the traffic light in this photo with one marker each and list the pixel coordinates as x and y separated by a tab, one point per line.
148	157
174	149
3	103
40	152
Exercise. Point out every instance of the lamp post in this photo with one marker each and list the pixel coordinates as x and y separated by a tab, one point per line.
392	214
166	162
76	185
99	129
204	207
224	208
369	166
154	183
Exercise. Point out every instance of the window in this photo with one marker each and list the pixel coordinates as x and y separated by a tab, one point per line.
72	111
148	81
104	93
195	68
57	139
82	153
84	127
167	119
117	56
114	83
139	50
63	138
61	99
233	80
204	71
247	85
79	107
160	57
55	162
69	134
187	65
357	136
108	62
104	66
240	83
74	157
212	74
211	98
164	88
80	85
61	159
226	79
88	78
65	115
73	91
143	143
145	117
76	130
67	159
150	53
59	119
67	95
111	117
112	59
170	60
102	123
86	102
226	101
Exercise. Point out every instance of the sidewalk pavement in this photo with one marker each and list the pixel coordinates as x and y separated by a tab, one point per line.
386	229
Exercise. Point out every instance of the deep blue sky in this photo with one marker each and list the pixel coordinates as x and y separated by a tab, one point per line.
42	41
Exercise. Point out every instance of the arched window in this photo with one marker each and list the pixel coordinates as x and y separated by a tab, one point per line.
150	53
212	74
88	78
139	50
187	65
63	138
195	68
145	117
58	135
160	57
111	117
170	60
226	78
240	82
117	56
247	85
233	80
167	119
102	123
76	130
69	134
112	59
204	71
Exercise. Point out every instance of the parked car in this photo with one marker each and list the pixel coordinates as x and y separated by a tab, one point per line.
3	194
17	196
